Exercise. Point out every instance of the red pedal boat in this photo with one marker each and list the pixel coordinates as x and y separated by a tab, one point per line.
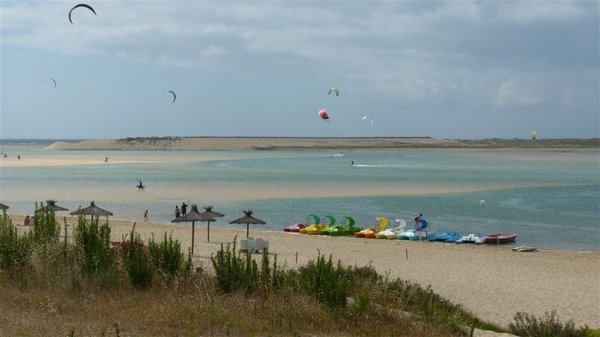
498	238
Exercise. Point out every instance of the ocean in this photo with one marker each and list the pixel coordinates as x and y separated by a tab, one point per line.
550	198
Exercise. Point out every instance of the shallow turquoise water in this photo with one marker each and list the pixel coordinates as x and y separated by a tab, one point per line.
550	199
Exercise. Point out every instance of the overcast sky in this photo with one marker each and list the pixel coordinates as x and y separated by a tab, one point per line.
450	69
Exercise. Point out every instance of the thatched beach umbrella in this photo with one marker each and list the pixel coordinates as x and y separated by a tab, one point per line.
92	210
193	216
248	219
3	207
210	213
52	206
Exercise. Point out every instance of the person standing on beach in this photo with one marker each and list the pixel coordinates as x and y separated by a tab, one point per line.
27	220
146	215
183	209
106	160
177	213
418	220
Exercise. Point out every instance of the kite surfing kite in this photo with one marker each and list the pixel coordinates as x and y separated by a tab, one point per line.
367	118
336	91
80	5
324	115
534	134
49	79
172	93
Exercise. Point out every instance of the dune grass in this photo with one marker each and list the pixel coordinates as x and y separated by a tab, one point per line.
83	286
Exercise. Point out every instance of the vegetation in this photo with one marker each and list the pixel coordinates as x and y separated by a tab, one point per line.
86	285
548	325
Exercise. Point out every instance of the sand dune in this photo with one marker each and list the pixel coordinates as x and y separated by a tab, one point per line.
314	143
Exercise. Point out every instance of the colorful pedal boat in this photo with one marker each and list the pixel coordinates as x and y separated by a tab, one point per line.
295	228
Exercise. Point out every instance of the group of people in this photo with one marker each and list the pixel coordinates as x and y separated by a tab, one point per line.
29	221
181	211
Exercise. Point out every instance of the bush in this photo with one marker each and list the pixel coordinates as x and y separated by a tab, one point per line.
233	272
15	250
137	262
547	326
325	282
46	230
167	258
92	244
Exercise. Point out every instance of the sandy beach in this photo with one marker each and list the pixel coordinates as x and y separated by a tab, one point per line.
493	282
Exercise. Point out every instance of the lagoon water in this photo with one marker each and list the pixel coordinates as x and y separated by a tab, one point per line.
551	199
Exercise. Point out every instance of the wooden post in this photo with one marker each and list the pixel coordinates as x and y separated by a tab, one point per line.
296	257
208	232
407	253
193	222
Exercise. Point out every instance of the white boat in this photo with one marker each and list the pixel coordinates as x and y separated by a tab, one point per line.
471	238
392	233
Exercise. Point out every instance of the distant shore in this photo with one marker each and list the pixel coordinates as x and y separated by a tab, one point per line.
316	143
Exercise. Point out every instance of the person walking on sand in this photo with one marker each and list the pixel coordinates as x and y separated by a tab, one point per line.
177	213
106	160
146	216
183	209
27	220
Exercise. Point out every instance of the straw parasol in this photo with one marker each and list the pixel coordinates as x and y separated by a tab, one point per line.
248	219
3	207
92	210
52	206
193	216
209	212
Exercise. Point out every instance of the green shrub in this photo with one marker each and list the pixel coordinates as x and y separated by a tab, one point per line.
167	258
46	230
547	326
137	262
271	278
233	272
325	282
15	250
92	243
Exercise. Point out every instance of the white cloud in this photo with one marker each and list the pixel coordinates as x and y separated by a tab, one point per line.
415	51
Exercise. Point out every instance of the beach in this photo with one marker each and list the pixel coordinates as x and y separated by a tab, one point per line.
493	282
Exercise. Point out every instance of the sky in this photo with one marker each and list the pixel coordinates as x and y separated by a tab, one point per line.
443	69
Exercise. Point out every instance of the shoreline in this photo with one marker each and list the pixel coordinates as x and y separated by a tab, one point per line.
318	143
493	282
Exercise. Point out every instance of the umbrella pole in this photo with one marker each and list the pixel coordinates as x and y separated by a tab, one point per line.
193	226
208	232
247	230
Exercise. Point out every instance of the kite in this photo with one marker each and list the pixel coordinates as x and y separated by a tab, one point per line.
80	5
334	90
324	115
49	79
173	93
534	134
367	118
